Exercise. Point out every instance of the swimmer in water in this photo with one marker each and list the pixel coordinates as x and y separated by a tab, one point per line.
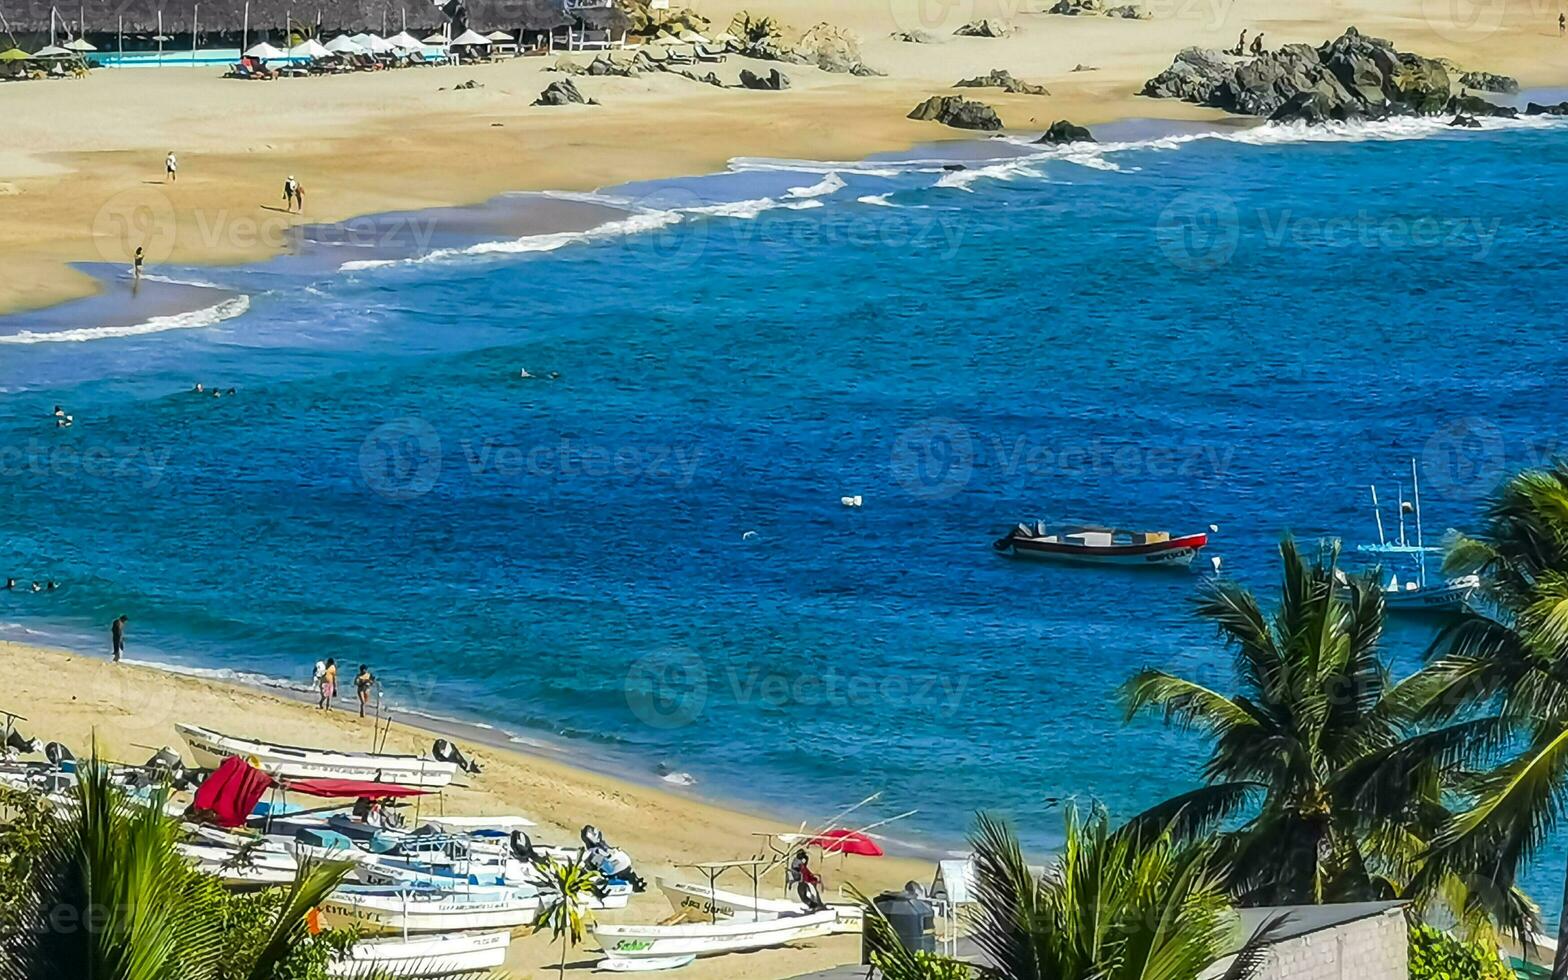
198	389
230	392
52	586
37	587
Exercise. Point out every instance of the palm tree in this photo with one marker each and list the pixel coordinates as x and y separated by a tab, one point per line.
1510	666
568	887
107	896
1121	905
1317	750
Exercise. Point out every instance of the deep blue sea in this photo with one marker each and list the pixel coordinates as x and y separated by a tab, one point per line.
640	551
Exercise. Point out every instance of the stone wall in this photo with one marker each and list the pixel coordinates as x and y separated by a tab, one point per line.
1375	948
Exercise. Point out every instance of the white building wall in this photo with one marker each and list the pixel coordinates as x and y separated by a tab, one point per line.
1373	949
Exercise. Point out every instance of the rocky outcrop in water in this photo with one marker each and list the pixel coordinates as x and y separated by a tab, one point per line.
1537	109
563	92
1063	131
1474	105
1004	80
951	110
773	81
1465	122
1485	81
1350	77
986	28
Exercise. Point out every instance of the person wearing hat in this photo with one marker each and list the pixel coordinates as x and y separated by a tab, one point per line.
291	192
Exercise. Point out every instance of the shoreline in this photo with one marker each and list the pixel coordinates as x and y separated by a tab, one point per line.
128	711
386	142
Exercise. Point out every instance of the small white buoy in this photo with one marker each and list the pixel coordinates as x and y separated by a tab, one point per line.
1216	561
854	501
748	535
1214	529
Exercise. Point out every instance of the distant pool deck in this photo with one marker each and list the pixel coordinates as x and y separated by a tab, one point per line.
169	58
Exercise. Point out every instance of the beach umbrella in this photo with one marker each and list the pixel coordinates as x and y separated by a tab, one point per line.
343	44
405	42
311	49
470	37
14	54
501	36
265	52
436	38
52	51
80	45
378	45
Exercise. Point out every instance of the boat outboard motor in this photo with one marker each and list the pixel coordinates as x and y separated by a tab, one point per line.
609	861
58	755
805	881
445	751
20	744
523	848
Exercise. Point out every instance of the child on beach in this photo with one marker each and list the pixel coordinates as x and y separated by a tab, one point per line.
363	682
329	684
171	167
291	193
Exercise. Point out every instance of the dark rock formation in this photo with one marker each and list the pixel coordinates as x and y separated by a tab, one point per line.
1350	77
914	37
1466	122
985	28
951	110
1063	131
1474	105
563	92
1537	109
1004	80
1485	81
1128	11
1083	67
774	81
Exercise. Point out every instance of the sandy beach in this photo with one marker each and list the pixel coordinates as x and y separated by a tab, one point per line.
131	711
81	175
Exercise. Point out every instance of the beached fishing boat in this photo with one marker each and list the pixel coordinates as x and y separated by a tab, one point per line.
255	866
210	748
415	907
1418	592
711	903
428	956
1102	546
711	938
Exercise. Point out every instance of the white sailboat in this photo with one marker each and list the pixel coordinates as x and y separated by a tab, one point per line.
427	956
210	748
1417	593
408	908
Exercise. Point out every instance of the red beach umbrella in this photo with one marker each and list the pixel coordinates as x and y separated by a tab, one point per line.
841	841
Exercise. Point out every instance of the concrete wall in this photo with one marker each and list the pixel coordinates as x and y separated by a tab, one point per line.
1376	948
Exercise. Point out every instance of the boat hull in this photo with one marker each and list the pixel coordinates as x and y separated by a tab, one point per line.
210	748
1450	597
437	956
703	902
709	939
425	914
1175	553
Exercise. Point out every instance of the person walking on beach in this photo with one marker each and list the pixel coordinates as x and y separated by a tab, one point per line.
136	262
290	192
117	636
363	682
1562	24
1257	45
329	684
1241	45
171	168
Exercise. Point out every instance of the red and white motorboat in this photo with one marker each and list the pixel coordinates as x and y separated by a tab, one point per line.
1102	546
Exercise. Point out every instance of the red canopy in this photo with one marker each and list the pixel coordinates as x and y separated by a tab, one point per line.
229	795
351	789
839	841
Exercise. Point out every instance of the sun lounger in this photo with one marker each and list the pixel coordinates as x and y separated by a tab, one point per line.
708	55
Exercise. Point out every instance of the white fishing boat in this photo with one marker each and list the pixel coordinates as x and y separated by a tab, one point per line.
711	903
711	938
481	872
411	908
1417	592
257	866
428	956
210	748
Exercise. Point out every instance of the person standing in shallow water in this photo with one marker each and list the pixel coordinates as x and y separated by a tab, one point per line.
117	636
363	682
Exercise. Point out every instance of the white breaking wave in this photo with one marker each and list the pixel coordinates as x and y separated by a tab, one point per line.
877	200
226	310
634	224
861	168
1002	170
245	678
831	184
679	778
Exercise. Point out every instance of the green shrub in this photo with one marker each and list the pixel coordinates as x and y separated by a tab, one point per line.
1435	955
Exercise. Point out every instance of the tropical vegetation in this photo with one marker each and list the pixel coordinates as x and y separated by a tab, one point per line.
1118	905
101	893
1435	955
1321	784
567	891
